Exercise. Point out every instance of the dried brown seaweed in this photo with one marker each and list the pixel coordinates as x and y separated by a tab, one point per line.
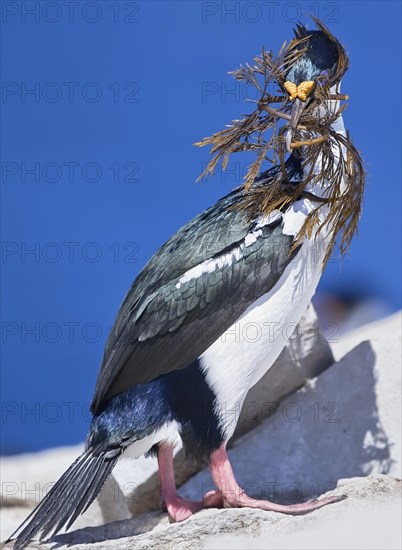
263	131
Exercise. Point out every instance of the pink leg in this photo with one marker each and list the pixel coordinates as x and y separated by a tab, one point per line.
178	508
235	497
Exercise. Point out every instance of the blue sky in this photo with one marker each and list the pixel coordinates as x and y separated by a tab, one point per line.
101	102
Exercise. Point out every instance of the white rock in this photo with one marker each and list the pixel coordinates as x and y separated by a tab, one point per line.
384	339
342	525
366	520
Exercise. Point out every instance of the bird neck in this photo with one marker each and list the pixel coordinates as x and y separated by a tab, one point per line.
338	151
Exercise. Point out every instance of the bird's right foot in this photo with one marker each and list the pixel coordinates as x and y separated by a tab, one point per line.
179	508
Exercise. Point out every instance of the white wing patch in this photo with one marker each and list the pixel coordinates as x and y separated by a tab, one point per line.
252	237
210	265
271	218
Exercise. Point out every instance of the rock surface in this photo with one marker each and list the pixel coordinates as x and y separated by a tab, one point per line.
342	424
367	519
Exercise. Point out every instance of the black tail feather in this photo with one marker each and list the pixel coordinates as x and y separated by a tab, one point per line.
99	481
73	493
56	491
69	497
64	494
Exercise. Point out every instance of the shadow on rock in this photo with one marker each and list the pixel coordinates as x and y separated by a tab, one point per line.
109	531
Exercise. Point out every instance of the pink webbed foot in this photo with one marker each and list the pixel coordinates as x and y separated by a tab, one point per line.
234	496
180	509
241	500
228	495
213	499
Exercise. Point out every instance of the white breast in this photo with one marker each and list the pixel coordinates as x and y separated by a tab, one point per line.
244	353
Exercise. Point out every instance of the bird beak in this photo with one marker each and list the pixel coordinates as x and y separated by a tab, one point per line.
297	110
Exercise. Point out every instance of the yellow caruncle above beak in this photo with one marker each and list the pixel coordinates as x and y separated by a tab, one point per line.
301	91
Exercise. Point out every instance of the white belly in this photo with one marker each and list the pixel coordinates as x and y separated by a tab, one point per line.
244	353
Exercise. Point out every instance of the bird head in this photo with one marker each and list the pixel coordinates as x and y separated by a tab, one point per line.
319	64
